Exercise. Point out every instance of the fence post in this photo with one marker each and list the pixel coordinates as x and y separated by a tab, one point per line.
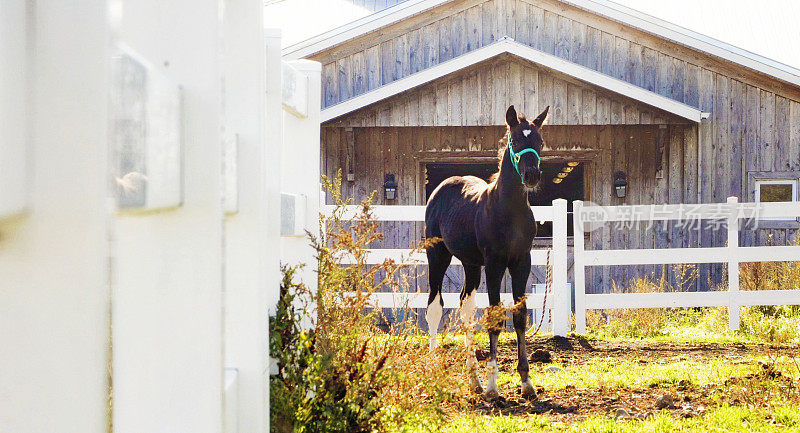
578	266
733	264
561	295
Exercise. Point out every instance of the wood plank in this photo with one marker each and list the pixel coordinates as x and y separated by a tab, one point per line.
766	131
402	67
442	104
458	40
589	107
430	45
559	115
793	153
387	62
564	38
548	37
344	68
536	26
474	28
330	81
445	46
530	91
735	133
621	53
781	158
372	63
635	67
579	50
486	112
546	94
359	72
489	16
574	105
594	48
471	99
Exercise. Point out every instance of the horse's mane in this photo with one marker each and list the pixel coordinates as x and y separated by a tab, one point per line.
501	151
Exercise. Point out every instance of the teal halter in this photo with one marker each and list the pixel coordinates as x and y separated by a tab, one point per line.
515	156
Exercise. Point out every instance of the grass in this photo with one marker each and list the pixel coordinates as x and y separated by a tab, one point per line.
612	372
724	418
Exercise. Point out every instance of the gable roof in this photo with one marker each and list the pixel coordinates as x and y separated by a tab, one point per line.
605	8
509	46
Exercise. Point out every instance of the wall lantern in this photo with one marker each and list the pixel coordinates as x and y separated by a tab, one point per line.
557	180
567	169
389	187
562	175
620	184
573	163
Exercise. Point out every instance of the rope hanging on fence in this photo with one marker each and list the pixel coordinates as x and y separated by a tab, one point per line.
548	285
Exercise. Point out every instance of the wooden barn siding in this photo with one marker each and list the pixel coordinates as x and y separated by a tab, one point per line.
480	95
754	124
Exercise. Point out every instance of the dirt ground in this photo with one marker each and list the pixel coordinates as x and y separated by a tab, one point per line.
687	400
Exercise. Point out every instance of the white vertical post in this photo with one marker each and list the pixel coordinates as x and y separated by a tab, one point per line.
273	130
579	268
54	293
561	293
733	263
251	269
168	297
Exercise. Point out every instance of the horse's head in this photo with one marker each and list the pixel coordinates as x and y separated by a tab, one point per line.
526	145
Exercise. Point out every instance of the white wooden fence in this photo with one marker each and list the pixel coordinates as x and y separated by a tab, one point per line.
728	214
558	301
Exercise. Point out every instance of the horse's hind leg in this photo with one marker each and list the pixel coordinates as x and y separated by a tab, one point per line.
519	271
471	283
438	261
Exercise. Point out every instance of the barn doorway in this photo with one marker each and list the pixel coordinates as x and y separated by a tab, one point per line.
559	180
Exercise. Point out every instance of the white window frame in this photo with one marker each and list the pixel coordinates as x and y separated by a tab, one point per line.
785	181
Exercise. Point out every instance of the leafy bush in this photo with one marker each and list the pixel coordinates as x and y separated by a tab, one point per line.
341	372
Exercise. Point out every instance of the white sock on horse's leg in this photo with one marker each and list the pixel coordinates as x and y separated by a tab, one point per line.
491	379
468	317
434	315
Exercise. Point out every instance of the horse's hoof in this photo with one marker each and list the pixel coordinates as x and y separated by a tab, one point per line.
491	395
478	389
528	391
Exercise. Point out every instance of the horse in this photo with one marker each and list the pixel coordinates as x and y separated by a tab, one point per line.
491	225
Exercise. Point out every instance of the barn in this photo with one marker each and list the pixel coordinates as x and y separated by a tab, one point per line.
417	92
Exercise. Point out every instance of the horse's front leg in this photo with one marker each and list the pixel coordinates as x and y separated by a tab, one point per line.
495	268
519	270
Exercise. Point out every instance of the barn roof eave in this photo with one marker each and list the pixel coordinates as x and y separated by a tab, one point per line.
509	46
605	8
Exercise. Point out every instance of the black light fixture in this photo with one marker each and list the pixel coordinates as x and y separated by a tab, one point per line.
620	184
389	187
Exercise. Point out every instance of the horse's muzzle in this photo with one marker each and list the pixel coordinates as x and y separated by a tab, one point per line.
531	178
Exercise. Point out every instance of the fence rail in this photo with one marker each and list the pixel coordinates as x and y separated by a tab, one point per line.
559	301
728	214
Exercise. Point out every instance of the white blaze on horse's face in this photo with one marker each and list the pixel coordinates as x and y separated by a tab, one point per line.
527	132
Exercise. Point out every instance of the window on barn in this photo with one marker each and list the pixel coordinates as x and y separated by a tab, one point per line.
776	190
559	180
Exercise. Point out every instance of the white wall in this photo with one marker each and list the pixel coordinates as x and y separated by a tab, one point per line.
301	169
251	261
13	106
168	300
53	262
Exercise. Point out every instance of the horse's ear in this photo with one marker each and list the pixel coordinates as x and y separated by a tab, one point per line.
511	117
540	119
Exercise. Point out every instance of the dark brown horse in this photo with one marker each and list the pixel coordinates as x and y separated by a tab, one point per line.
488	225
